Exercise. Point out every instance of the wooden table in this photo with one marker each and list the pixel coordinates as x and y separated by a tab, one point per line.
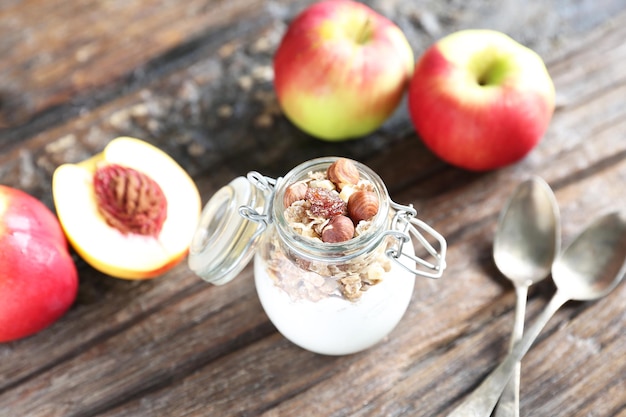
195	79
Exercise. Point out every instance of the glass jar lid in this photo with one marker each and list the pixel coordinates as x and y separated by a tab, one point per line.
224	240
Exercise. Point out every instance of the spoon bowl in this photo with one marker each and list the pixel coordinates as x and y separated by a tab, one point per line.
528	234
588	269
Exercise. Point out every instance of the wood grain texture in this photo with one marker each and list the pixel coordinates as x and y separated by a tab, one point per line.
194	78
54	50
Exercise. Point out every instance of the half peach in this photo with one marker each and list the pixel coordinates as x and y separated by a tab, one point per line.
130	211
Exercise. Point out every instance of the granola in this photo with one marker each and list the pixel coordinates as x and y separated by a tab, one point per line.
309	211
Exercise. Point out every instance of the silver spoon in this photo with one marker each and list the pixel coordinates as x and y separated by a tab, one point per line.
588	269
527	241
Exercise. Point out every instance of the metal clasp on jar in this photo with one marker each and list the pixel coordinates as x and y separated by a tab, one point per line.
404	225
266	186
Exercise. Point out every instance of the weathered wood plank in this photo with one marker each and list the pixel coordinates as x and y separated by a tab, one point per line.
408	148
55	51
181	337
177	346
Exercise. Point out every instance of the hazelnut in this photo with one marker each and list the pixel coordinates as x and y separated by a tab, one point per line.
343	172
293	193
338	229
362	205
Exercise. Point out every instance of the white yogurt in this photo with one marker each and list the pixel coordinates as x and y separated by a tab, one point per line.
335	325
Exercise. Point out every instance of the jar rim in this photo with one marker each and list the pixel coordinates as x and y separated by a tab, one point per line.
324	251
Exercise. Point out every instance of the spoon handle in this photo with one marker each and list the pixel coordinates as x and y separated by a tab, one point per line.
482	400
508	405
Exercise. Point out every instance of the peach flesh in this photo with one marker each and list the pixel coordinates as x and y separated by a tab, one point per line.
130	255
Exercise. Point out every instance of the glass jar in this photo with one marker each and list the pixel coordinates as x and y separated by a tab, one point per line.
329	298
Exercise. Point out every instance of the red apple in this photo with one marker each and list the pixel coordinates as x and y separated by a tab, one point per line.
341	70
38	278
480	100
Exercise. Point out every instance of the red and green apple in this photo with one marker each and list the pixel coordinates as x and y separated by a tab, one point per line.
480	100
341	70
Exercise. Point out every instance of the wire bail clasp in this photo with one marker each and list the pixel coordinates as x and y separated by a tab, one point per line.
266	186
405	224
